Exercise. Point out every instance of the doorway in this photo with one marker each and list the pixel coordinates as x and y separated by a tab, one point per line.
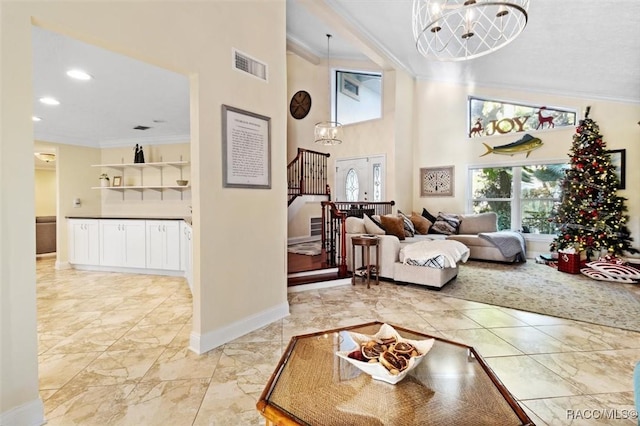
360	179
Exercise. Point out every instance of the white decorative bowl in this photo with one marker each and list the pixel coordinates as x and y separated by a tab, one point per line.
352	341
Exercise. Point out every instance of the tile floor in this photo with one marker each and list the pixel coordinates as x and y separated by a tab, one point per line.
113	351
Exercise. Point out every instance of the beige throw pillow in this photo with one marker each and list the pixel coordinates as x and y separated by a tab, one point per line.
371	226
355	225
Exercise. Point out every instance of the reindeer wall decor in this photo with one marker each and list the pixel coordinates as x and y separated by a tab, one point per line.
542	120
476	129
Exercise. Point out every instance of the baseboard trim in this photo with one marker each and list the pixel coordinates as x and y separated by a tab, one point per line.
29	414
314	272
45	255
62	265
319	285
201	343
120	269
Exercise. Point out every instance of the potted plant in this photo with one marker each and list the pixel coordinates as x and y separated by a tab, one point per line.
104	180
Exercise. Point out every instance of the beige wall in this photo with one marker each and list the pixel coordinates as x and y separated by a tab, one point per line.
370	138
75	177
299	225
404	140
442	140
45	188
194	38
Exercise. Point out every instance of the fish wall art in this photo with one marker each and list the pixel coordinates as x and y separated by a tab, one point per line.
525	144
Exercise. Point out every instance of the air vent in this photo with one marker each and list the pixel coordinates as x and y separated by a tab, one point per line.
244	62
315	223
141	128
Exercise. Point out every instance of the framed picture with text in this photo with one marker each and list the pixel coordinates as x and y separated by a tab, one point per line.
437	181
246	149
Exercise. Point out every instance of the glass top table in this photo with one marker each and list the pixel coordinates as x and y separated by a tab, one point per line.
452	385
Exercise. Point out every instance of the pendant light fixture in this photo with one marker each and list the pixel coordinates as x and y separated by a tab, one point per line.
457	30
328	132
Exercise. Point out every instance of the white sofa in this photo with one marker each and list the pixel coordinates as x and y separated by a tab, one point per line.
391	267
471	226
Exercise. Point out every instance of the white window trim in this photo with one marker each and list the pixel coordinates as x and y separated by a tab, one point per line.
516	216
334	91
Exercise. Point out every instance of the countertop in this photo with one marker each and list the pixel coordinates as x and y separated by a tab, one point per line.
187	219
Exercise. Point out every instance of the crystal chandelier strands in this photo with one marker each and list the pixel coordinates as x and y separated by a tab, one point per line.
328	132
457	30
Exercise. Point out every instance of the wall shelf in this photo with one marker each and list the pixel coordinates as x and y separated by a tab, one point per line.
143	165
158	182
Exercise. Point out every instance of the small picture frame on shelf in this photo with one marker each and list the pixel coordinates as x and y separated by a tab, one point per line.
117	181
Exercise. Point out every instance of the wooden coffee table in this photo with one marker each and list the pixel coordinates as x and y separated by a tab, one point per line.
452	385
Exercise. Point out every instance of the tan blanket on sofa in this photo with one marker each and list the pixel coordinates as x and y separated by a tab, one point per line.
452	251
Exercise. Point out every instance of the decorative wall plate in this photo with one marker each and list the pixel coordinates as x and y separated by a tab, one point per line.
300	105
436	181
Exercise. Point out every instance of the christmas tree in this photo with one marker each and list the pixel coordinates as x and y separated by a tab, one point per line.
591	216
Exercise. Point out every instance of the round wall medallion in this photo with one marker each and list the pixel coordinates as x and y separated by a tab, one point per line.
300	105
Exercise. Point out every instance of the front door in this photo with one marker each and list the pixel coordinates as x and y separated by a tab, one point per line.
360	179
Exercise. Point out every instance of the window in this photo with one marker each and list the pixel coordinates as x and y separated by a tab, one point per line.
377	182
523	197
352	186
490	117
358	96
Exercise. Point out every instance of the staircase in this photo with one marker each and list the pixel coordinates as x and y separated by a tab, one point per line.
307	178
307	174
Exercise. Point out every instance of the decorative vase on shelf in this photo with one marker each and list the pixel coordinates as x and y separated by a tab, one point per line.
104	180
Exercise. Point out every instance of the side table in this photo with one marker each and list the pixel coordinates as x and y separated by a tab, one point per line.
365	243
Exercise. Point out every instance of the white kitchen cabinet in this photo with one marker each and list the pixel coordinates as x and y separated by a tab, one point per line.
163	244
123	243
186	252
84	241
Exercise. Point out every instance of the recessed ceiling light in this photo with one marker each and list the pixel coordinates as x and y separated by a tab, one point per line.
79	75
34	118
49	101
47	157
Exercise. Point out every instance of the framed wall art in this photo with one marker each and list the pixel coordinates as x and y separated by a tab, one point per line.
246	149
437	181
618	160
117	181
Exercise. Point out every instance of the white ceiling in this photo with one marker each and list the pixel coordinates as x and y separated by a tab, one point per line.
587	48
124	93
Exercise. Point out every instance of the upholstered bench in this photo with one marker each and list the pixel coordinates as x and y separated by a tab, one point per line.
430	263
424	275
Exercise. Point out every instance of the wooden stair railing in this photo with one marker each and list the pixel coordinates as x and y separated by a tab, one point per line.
307	174
334	233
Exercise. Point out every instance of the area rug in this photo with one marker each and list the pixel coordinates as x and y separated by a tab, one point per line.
542	289
310	248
